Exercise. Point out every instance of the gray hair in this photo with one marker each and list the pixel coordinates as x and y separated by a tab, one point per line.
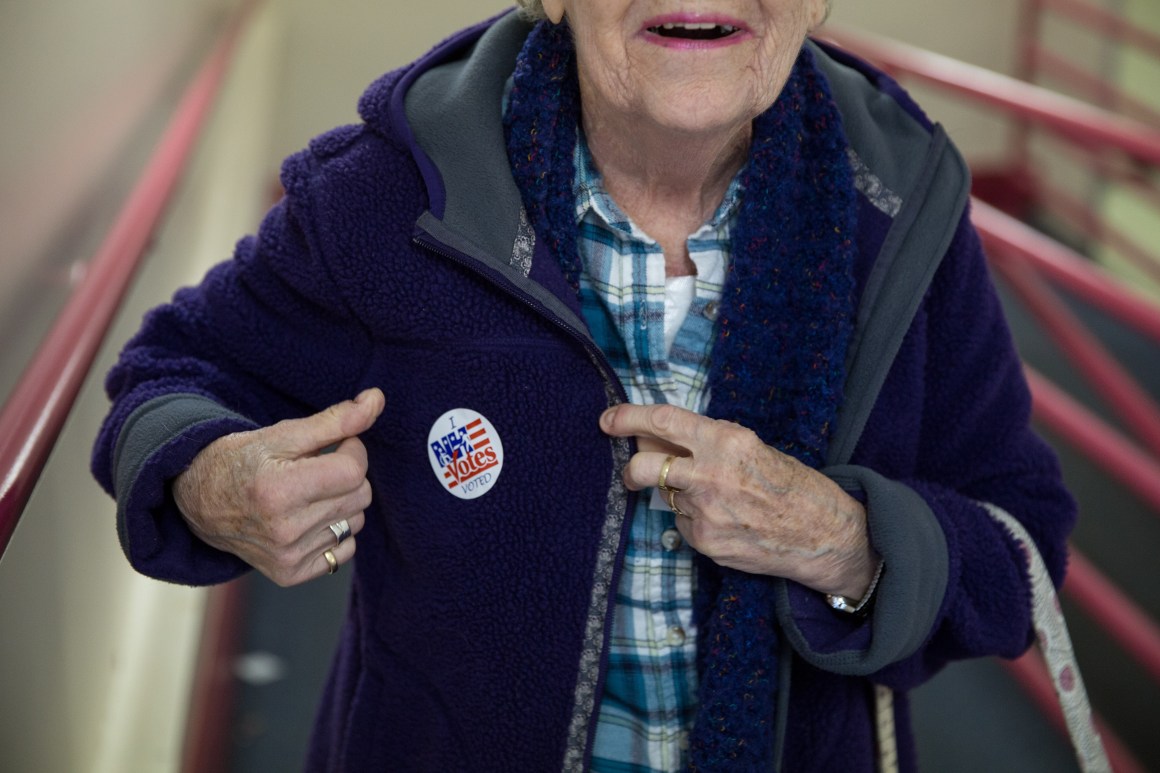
533	10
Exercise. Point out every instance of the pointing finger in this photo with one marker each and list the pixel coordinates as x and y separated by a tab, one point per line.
667	423
295	438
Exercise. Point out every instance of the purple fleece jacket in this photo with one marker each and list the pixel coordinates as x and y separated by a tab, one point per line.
475	638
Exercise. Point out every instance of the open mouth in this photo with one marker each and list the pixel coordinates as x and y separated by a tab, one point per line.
694	30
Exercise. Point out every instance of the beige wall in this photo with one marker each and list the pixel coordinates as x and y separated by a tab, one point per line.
333	51
981	32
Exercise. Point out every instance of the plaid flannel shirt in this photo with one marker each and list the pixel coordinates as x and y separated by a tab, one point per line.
650	691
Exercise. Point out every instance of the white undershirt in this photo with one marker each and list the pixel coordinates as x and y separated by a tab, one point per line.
678	300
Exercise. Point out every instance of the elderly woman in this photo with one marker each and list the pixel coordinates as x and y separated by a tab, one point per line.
681	395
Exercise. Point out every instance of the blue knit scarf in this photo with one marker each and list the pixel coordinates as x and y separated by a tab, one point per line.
783	328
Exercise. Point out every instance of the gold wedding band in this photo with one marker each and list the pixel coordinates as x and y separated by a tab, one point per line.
331	562
673	504
662	481
341	530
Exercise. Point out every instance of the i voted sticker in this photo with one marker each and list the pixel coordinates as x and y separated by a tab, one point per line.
466	453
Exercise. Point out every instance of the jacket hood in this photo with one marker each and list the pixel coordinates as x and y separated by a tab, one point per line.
447	108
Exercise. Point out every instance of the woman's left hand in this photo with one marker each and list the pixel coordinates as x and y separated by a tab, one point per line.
746	505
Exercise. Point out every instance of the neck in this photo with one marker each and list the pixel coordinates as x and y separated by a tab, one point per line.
656	174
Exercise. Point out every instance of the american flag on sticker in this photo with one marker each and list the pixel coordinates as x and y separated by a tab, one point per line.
465	452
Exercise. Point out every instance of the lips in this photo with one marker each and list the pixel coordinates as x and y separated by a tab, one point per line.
694	30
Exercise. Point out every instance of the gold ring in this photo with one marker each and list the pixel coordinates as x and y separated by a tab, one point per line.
331	562
673	504
341	530
662	481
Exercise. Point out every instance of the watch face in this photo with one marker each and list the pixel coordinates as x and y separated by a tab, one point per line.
840	603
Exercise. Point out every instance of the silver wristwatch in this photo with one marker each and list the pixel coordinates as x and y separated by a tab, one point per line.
853	606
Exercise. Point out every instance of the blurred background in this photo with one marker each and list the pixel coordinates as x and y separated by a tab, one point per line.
139	140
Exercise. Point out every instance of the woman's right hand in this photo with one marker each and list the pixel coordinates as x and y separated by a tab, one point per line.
269	496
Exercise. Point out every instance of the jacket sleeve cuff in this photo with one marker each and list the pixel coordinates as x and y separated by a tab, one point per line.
157	442
908	537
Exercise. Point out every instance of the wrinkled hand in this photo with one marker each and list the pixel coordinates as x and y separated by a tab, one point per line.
269	496
746	505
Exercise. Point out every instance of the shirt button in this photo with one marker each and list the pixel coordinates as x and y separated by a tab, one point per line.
670	539
676	636
711	310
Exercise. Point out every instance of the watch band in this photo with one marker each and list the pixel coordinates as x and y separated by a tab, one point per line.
852	606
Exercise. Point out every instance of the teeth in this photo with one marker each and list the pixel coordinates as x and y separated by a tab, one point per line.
698	27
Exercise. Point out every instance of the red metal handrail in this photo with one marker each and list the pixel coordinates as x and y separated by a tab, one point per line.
1108	23
1037	58
1064	116
1095	364
1105	447
1130	626
1040	63
1060	69
1006	237
1031	674
1132	178
1090	225
207	726
35	412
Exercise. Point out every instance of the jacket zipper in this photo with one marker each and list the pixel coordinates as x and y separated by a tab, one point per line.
428	241
425	240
